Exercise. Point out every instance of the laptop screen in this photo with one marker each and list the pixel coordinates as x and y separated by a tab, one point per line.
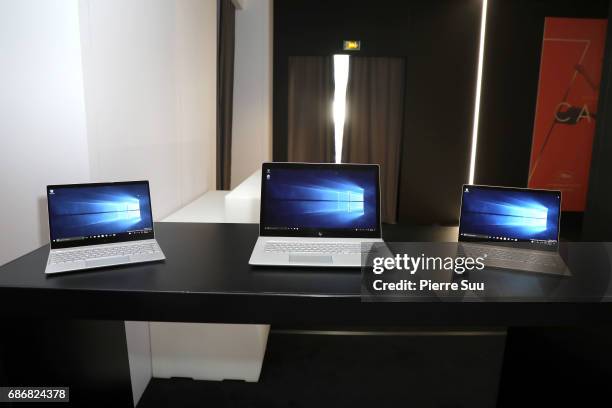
320	200
90	214
496	214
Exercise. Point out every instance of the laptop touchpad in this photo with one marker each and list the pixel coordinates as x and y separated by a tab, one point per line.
314	259
115	260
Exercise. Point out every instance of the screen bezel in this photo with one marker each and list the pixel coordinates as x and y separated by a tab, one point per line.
520	243
101	240
318	232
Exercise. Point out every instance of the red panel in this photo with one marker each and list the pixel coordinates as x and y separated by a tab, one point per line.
566	111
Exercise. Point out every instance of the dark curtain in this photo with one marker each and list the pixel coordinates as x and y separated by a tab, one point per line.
225	92
310	130
374	122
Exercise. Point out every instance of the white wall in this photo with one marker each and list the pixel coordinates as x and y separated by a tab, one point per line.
252	116
42	116
146	72
104	90
150	92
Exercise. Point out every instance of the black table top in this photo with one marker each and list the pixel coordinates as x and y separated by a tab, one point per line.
206	278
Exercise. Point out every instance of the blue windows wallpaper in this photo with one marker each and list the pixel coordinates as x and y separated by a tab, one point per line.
517	214
320	199
88	211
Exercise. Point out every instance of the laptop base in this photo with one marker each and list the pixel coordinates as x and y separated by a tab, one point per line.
105	261
525	260
308	259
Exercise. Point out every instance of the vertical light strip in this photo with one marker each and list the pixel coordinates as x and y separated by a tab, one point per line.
483	27
341	73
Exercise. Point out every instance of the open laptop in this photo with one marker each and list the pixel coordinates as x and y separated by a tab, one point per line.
317	214
516	228
97	225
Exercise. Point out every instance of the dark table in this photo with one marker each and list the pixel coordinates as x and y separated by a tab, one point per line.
206	278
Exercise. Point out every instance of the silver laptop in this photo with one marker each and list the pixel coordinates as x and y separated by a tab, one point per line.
97	225
317	214
513	228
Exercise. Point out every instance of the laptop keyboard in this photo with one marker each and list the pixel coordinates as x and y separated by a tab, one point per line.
83	254
505	254
315	247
